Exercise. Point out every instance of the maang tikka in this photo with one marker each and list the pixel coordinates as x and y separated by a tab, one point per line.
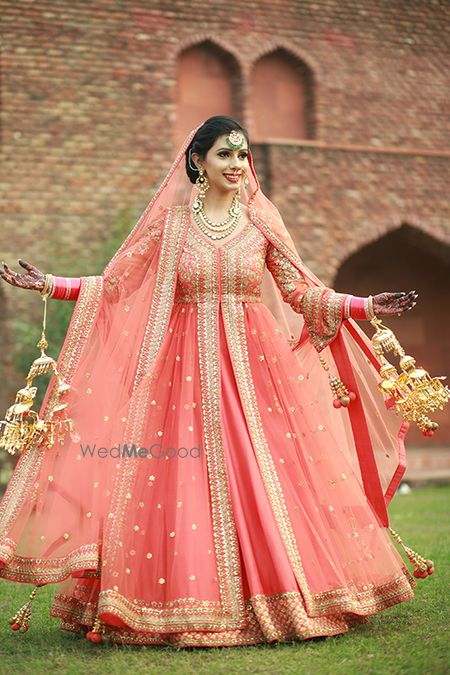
235	140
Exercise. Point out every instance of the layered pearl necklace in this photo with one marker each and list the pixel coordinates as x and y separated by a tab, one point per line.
217	230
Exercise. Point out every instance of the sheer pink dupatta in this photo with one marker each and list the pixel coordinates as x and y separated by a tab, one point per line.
50	528
52	516
369	433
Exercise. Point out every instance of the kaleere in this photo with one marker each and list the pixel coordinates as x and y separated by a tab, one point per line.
22	426
414	392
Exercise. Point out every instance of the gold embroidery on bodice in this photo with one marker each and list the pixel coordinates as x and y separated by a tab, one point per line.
242	279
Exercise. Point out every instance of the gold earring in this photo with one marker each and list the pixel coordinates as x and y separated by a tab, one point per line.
202	186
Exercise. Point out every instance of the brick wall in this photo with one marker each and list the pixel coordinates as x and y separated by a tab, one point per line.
88	115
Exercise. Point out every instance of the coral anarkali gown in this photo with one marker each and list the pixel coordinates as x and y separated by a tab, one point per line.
264	532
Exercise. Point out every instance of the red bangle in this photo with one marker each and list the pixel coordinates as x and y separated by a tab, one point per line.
65	288
358	308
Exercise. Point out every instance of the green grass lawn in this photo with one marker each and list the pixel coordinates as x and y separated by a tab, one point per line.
408	638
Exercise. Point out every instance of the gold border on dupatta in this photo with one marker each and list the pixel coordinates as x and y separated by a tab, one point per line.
280	617
227	614
233	314
52	570
24	475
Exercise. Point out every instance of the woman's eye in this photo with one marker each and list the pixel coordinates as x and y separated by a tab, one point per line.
224	153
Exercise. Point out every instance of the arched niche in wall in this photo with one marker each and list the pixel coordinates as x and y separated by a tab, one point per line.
405	259
282	97
208	83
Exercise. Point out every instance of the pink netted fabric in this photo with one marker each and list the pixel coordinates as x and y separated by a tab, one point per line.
254	510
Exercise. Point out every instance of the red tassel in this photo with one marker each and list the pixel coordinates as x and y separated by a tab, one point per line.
422	566
21	620
96	634
94	637
342	396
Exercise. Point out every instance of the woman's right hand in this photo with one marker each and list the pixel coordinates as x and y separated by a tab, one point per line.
34	279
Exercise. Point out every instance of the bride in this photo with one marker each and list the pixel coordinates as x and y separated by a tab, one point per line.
215	489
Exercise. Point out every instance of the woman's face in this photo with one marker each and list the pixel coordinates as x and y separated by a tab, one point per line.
225	168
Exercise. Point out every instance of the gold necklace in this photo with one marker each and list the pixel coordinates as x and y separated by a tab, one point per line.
222	229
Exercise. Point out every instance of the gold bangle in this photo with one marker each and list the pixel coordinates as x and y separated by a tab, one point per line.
48	286
370	312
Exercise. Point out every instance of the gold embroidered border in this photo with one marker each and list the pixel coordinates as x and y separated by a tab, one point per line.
280	617
229	614
51	570
156	328
356	601
225	538
173	615
233	313
233	316
150	616
173	234
27	468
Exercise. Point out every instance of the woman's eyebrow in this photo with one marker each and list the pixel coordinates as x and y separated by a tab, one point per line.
228	149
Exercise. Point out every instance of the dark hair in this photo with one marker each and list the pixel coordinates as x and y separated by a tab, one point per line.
206	136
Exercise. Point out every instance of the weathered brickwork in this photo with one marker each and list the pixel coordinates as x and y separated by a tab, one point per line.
88	113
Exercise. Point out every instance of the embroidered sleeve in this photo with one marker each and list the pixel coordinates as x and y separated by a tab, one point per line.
322	308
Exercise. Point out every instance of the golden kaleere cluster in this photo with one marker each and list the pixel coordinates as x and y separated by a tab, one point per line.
22	426
416	394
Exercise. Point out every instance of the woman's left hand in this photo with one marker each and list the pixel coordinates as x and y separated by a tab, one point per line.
390	304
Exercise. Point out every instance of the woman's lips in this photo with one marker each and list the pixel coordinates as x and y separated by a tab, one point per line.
232	177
